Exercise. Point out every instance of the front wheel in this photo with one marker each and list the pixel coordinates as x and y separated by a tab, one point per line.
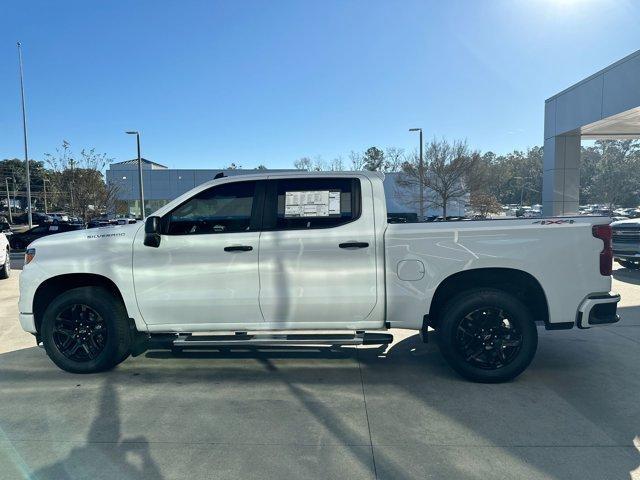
487	335
85	330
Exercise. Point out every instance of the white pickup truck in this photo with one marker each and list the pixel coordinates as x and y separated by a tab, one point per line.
310	258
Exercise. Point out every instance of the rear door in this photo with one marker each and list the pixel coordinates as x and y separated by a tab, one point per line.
317	253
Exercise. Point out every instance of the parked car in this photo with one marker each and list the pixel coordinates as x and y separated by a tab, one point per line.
20	241
58	216
5	258
626	242
5	227
262	255
97	223
125	221
37	218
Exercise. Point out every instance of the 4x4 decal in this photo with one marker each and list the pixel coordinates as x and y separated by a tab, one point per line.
556	222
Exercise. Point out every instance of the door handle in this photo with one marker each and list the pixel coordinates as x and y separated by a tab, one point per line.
354	245
238	248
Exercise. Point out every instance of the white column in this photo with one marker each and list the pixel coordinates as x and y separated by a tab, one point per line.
561	177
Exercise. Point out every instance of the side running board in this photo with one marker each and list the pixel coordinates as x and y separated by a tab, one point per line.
277	340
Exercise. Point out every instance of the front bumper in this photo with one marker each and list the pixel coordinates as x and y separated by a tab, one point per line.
27	322
598	309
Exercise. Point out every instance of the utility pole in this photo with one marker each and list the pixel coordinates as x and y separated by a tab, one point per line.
420	174
13	182
6	184
73	177
137	134
44	187
24	129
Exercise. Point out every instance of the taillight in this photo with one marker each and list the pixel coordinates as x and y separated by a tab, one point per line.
603	232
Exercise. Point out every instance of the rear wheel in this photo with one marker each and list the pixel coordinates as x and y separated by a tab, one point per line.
5	270
85	330
487	335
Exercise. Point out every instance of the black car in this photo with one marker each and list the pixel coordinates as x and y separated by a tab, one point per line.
19	241
4	226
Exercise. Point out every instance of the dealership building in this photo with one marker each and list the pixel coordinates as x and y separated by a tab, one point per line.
162	184
603	106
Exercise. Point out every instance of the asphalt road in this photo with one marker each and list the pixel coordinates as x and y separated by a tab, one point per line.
306	414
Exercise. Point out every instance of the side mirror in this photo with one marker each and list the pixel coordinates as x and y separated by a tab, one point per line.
152	232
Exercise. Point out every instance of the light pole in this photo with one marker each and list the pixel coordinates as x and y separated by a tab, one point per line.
44	187
24	129
420	174
521	188
137	134
6	184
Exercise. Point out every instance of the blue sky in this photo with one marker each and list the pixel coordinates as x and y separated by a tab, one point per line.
210	83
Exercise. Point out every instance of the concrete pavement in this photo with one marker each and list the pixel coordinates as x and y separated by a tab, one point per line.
316	413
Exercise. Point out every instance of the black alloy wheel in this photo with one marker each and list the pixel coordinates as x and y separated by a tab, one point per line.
86	330
80	333
487	335
487	339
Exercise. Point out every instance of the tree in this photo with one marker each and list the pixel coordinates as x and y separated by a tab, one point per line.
373	159
303	163
610	173
15	171
484	203
446	168
82	178
337	165
394	158
357	160
233	166
261	167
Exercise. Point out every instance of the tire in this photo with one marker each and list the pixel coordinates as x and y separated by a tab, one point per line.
5	270
487	335
629	264
94	312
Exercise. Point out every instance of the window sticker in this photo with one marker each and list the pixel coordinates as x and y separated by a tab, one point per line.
312	203
334	203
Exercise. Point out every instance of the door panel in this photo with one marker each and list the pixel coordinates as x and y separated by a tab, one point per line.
193	280
305	276
205	270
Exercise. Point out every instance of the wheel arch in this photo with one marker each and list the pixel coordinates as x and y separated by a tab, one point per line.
519	283
54	286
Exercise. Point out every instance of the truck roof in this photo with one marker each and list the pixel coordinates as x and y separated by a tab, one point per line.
301	173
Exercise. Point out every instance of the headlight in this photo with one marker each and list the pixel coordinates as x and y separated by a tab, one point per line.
29	255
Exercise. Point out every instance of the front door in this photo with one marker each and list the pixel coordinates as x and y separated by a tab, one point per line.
317	254
205	271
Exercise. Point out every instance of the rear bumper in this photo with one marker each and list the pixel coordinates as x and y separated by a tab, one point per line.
598	309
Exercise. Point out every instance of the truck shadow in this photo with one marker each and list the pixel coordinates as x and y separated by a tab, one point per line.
405	387
106	453
627	275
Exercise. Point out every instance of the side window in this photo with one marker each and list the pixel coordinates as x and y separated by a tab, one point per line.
222	209
315	203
